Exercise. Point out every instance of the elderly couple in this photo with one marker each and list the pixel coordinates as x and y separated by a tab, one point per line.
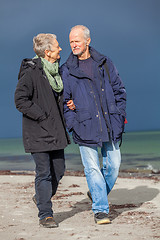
86	96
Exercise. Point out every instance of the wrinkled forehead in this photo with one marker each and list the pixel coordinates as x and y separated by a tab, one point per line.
55	43
76	33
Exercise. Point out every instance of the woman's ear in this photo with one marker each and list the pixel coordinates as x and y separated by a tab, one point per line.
47	53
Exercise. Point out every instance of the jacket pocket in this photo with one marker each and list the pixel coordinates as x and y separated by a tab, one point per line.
117	122
47	125
113	108
83	125
83	116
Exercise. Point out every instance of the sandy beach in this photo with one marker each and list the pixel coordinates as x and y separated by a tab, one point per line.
134	210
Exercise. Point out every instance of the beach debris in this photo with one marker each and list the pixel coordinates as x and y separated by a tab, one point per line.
74	186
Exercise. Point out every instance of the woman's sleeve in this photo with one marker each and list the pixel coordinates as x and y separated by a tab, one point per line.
23	99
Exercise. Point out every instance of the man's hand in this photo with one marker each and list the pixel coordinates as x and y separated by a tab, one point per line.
70	105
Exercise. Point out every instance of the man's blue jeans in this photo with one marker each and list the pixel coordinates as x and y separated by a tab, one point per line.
101	181
50	167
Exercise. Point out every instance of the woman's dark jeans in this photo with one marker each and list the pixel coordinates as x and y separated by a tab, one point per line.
50	167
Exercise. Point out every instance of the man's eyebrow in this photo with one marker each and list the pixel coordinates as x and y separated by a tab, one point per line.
74	41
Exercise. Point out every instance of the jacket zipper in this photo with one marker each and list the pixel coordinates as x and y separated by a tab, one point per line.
100	123
101	102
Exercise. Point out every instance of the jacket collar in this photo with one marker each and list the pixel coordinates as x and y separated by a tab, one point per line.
73	63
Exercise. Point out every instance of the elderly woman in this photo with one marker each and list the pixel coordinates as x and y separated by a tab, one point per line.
39	96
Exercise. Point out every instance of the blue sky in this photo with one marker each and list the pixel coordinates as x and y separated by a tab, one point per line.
127	31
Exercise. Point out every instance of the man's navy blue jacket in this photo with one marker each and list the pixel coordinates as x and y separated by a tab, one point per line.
85	120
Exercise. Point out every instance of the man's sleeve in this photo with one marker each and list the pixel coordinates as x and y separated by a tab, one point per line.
118	88
69	115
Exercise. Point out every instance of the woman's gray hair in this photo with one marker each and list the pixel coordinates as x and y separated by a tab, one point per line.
43	41
85	30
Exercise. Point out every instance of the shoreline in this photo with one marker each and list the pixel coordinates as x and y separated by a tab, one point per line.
128	173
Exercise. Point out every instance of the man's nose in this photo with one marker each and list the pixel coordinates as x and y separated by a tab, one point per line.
74	45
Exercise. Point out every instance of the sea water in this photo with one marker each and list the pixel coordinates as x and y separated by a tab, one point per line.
140	151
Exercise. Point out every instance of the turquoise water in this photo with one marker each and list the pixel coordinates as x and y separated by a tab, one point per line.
140	150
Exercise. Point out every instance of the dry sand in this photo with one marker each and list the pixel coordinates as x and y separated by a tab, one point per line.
134	210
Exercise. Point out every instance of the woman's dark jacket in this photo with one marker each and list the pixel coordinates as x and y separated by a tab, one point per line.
43	122
85	121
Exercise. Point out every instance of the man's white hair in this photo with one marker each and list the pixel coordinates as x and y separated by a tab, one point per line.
86	31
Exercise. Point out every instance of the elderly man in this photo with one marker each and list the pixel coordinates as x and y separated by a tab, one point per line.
97	117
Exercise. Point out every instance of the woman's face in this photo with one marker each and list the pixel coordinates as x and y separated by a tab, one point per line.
54	54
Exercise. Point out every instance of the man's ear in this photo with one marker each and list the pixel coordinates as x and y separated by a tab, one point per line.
88	41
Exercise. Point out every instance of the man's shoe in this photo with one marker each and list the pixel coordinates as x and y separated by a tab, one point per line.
101	218
34	199
89	195
48	222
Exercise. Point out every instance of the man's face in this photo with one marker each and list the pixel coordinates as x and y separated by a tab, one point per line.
77	42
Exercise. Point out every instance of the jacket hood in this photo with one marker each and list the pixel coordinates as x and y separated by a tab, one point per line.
72	61
29	63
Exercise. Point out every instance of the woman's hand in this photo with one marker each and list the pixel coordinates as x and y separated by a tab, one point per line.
70	105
